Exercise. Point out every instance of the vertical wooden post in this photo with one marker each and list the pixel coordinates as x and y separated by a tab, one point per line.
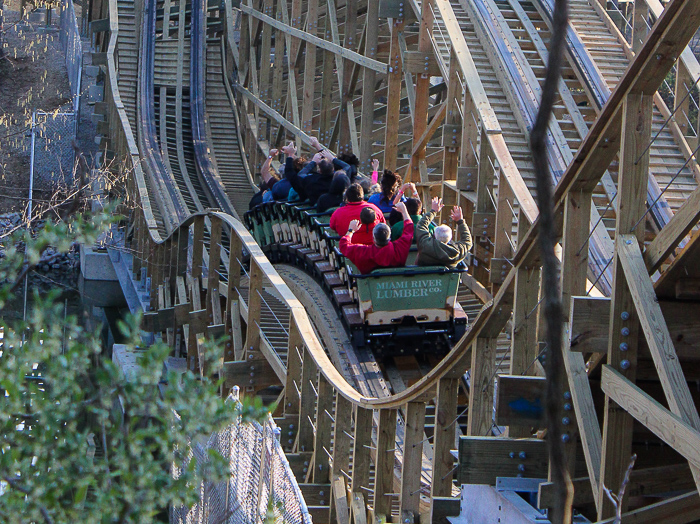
264	66
295	348
384	463
345	139
420	113
480	419
234	329
214	261
197	246
342	446
682	102
393	103
361	451
524	336
307	104
137	242
327	81
255	287
309	376
412	459
369	77
444	439
484	204
639	26
632	189
324	425
451	140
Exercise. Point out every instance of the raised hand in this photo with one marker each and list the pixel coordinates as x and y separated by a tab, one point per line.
375	164
457	214
317	157
436	204
315	143
354	226
290	149
274	152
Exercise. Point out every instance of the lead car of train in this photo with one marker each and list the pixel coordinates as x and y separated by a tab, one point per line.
393	311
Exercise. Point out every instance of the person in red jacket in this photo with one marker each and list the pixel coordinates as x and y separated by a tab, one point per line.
341	217
383	253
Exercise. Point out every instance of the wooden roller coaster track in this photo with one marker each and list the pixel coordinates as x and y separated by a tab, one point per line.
197	92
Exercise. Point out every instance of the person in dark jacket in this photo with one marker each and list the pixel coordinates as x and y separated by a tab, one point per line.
293	164
438	249
352	161
334	197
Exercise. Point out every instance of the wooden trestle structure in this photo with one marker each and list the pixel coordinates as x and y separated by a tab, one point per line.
427	88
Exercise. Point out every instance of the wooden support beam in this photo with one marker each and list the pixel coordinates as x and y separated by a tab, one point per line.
634	172
292	388
342	448
669	427
444	439
384	463
393	104
480	419
412	467
483	459
676	510
309	377
324	431
520	400
369	79
361	451
643	483
657	335
314	41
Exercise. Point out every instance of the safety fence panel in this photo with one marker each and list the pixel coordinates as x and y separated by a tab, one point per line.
52	154
261	488
69	36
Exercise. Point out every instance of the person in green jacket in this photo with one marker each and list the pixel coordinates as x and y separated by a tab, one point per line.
414	208
438	248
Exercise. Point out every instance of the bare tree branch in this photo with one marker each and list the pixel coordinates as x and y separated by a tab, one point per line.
561	512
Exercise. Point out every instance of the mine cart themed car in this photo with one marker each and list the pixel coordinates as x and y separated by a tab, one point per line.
391	311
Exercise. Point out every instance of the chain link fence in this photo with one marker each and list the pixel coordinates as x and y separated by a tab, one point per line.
261	488
52	156
69	36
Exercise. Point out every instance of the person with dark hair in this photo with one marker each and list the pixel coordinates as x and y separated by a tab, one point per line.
315	178
415	210
395	218
390	184
354	205
438	248
383	252
335	194
351	160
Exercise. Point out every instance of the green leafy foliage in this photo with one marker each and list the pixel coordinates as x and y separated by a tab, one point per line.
81	442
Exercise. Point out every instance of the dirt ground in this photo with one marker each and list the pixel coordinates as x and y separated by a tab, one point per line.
32	77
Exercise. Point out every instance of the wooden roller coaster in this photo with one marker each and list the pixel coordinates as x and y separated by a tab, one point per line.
196	92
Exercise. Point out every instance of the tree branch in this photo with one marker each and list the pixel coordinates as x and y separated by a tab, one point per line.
561	512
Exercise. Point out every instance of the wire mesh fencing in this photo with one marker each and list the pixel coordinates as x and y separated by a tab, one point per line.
69	36
261	488
52	156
